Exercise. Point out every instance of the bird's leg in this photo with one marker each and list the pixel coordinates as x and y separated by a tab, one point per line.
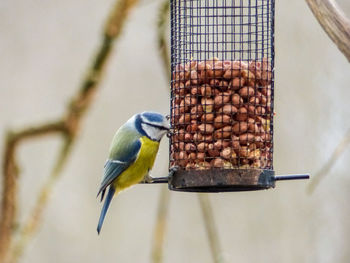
156	180
147	179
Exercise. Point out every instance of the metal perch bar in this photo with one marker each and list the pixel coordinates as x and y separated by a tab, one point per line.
291	177
156	180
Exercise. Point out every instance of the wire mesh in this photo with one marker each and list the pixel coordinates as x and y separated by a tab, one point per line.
222	63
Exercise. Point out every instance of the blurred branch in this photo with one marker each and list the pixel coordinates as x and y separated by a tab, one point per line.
334	22
208	216
68	127
29	227
162	26
160	227
10	178
339	150
337	26
164	198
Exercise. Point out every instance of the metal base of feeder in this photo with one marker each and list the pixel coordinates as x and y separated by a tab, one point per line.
221	180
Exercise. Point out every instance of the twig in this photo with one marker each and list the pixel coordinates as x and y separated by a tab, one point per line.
208	216
10	175
334	22
325	169
68	127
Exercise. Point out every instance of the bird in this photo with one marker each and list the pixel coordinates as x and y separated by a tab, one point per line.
131	155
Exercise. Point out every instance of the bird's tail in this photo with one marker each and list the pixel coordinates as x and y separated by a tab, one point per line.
108	200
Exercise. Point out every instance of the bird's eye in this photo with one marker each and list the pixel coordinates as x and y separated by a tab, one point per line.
167	117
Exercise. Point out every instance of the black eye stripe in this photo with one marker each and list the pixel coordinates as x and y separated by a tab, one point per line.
156	126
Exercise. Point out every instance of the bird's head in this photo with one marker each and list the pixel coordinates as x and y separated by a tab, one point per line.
152	124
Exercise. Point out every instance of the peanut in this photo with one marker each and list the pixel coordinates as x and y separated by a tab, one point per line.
206	128
237	83
188	137
192	156
190	147
207	117
206	90
246	92
228	110
190	166
196	111
179	146
223	133
191	65
217	70
190	100
203	166
253	128
200	156
194	77
223	85
254	100
235	145
231	73
214	83
243	151
222	98
255	154
217	163
207	104
251	109
182	158
201	65
201	147
260	110
183	108
248	75
192	127
208	138
240	127
242	114
185	118
246	138
266	137
212	151
195	90
220	144
187	84
237	100
228	153
221	121
197	137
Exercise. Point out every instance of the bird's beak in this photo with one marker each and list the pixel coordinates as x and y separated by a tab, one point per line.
170	132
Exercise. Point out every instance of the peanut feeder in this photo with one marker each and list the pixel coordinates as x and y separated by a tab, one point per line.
222	92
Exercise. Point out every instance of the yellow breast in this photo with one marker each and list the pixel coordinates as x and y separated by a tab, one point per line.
137	171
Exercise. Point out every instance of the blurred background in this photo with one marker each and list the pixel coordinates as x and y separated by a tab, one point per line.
45	47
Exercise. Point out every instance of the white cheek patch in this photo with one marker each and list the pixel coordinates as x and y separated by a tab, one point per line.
152	132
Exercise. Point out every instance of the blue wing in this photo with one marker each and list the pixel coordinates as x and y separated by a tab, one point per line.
119	163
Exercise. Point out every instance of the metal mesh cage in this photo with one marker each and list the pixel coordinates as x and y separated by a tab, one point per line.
222	63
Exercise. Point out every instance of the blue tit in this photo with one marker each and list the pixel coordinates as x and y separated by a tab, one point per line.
131	155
